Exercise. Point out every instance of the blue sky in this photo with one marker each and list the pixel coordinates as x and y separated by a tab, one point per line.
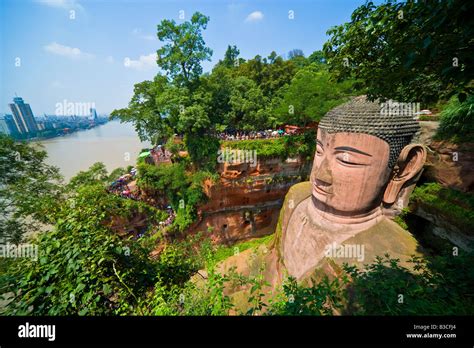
82	59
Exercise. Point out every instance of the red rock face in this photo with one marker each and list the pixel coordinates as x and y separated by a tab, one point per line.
126	227
230	227
451	165
246	201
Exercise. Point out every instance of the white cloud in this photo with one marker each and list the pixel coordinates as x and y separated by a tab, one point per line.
234	7
142	63
66	51
64	4
254	17
138	32
57	84
148	37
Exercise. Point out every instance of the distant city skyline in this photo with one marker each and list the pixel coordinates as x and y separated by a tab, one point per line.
23	116
55	50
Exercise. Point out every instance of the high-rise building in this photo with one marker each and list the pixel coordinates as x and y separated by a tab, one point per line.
23	116
4	129
8	126
93	114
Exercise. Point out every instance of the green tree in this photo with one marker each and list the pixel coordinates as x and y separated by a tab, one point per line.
97	173
231	55
409	51
297	57
295	53
176	102
184	50
82	267
310	95
247	106
30	190
317	57
270	74
148	110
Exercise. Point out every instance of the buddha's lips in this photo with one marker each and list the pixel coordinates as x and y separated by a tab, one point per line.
320	190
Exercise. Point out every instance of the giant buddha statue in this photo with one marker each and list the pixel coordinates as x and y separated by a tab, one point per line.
364	160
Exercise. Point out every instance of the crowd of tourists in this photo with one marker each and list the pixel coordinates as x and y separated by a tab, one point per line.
169	220
121	185
160	154
241	135
124	187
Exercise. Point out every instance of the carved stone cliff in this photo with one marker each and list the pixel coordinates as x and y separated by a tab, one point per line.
246	200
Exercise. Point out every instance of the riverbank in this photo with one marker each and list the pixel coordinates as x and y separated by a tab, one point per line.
115	144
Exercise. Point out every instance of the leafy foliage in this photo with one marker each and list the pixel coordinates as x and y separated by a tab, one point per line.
457	121
266	148
185	48
323	298
409	51
457	207
184	190
82	268
30	190
97	173
284	147
203	151
440	286
148	109
310	95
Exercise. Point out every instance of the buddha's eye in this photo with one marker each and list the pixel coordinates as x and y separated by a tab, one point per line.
319	151
345	159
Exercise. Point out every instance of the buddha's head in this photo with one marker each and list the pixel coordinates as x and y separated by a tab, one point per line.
363	157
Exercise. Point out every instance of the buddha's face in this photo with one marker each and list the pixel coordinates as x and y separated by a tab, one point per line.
349	173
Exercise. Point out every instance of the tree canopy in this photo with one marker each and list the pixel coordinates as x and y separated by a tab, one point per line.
409	51
184	49
237	94
310	95
30	189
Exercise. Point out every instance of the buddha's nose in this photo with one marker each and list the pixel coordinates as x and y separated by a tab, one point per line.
323	173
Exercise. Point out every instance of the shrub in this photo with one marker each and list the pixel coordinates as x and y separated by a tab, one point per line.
183	189
284	147
457	206
457	121
441	285
203	151
82	268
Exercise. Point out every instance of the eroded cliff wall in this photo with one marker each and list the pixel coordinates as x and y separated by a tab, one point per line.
246	200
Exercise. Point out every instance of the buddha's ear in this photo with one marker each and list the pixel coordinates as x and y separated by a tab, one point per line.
410	162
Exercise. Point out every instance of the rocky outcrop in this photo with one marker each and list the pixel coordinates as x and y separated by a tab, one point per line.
442	227
246	200
452	165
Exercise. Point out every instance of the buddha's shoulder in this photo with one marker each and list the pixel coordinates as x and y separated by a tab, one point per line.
295	195
298	192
